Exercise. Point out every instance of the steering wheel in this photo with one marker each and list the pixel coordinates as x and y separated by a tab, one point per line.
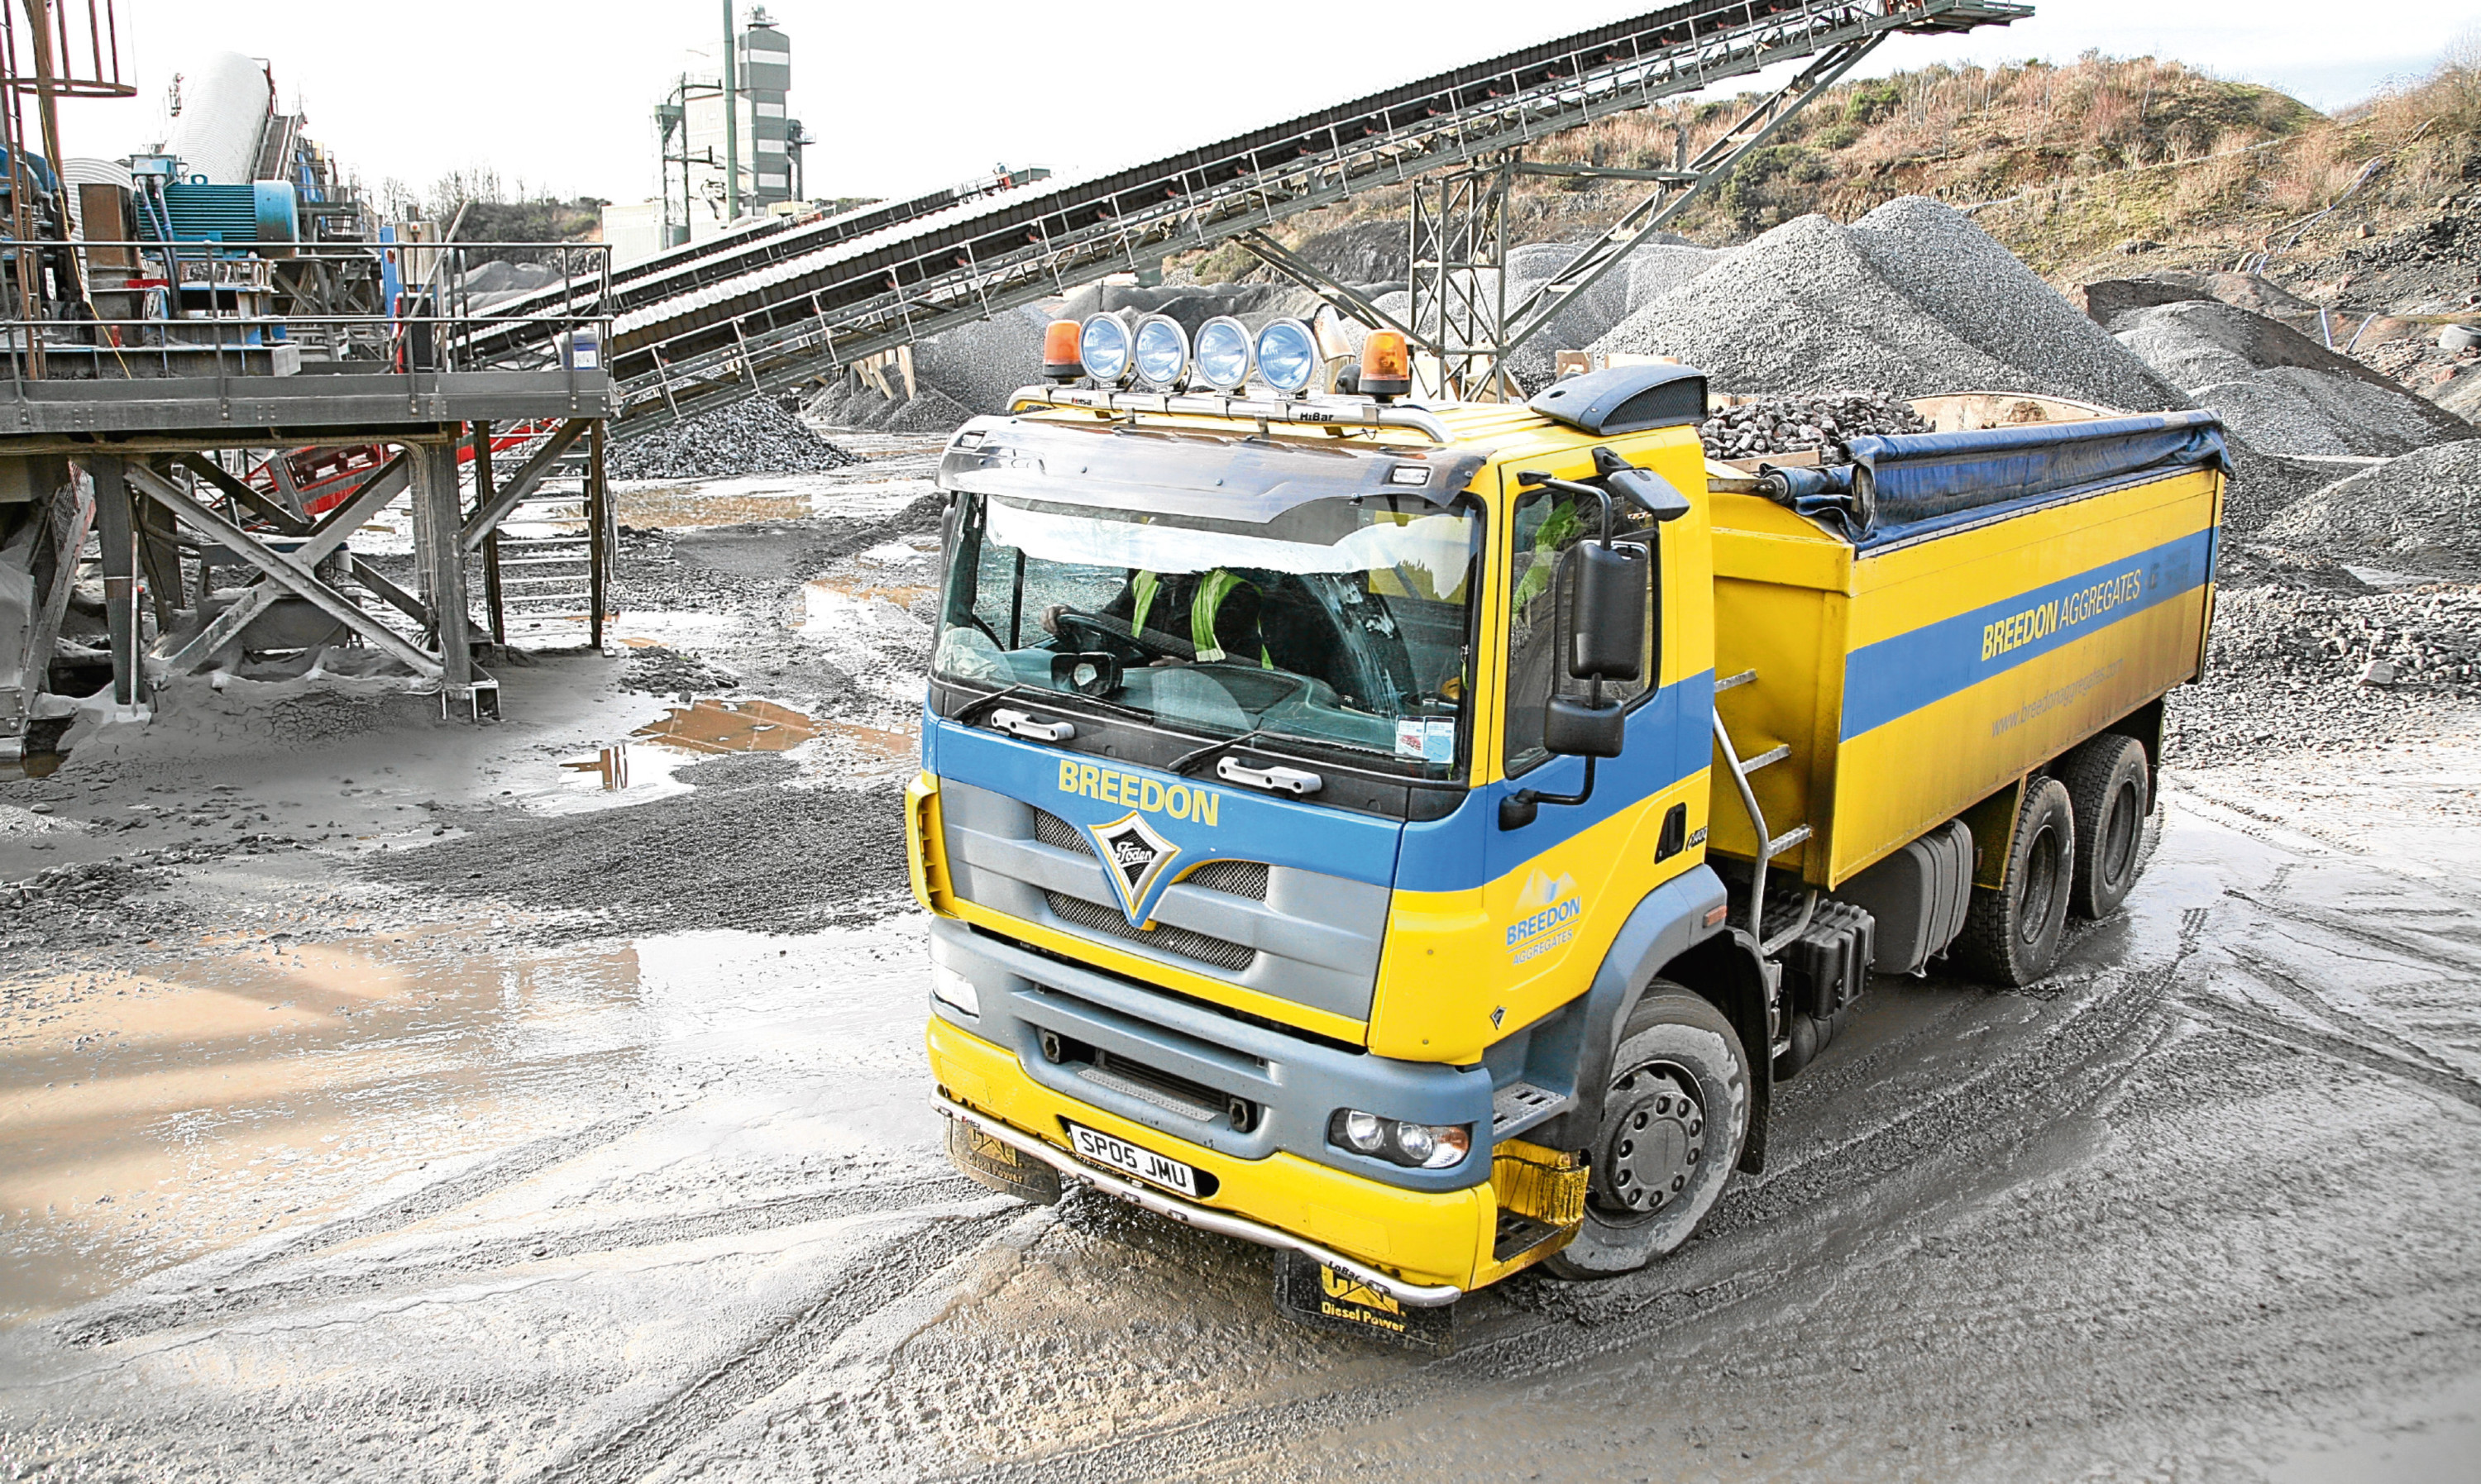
1095	631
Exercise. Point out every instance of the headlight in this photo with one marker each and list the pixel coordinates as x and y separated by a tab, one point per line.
1223	353
1102	345
1163	350
1288	355
1420	1146
950	987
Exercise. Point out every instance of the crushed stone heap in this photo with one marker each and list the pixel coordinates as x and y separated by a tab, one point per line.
755	435
2420	514
2280	391
1913	299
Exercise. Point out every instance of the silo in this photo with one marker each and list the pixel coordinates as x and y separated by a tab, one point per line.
225	102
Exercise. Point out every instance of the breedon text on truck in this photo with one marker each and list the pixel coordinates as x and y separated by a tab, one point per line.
1417	838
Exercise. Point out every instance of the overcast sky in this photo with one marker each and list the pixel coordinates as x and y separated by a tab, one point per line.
907	96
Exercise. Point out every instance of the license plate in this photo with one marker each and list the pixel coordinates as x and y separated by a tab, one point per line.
1129	1159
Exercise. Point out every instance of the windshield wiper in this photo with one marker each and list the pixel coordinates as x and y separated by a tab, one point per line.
973	707
1180	763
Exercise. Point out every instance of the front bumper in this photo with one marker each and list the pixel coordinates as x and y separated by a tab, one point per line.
1203	1217
1424	1239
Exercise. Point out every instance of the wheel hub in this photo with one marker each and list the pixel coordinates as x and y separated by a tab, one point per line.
1657	1137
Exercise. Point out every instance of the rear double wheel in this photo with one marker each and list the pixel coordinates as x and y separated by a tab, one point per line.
2011	932
2113	795
1672	1122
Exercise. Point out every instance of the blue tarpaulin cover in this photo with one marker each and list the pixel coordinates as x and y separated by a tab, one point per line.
1925	482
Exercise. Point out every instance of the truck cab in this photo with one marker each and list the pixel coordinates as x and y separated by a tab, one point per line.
1323	813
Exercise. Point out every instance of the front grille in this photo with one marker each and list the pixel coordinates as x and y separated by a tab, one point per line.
1233	878
1221	952
1061	835
1238	878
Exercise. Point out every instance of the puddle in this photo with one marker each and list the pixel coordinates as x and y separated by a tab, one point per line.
715	725
853	608
146	1118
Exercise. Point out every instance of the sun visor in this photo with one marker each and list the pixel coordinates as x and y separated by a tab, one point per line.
1183	473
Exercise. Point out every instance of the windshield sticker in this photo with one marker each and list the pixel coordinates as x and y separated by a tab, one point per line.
1134	791
1430	738
1547	916
1134	857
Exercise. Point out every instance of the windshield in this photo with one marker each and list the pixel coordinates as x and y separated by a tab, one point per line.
1340	624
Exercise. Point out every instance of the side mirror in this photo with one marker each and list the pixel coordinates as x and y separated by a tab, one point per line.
1609	588
1649	492
1643	489
1573	728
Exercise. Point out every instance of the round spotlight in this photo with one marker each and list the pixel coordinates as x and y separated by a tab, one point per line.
1288	358
1104	346
1163	350
1223	353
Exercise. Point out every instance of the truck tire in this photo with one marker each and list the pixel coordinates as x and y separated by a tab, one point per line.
1672	1122
2011	935
2111	793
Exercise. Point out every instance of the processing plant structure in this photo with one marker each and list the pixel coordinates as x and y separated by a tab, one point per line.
221	366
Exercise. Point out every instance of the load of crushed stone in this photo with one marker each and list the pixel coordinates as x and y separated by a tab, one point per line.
2420	514
1912	298
2279	391
755	435
1826	420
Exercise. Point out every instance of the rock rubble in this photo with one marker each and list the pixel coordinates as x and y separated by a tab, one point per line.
1826	422
756	435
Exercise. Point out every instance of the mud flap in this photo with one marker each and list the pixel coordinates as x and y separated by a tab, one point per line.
1309	1292
988	1161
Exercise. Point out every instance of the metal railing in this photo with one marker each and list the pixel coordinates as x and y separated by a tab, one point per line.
206	309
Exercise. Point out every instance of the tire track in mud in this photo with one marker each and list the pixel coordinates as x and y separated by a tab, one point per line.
2377	1037
101	1323
2425	948
772	1356
2000	1101
138	1319
2250	1021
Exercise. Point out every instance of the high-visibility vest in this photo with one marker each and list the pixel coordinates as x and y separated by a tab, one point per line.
1216	587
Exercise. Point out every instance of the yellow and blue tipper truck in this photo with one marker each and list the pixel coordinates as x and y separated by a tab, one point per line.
1417	838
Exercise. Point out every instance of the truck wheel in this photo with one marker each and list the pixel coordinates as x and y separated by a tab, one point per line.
2011	935
2108	787
1672	1126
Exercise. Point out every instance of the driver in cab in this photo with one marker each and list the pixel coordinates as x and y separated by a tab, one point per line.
1206	618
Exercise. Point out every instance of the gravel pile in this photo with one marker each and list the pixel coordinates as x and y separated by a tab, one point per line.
742	849
1913	299
2326	670
755	435
2279	391
84	904
662	670
1659	268
1962	278
1826	420
2419	515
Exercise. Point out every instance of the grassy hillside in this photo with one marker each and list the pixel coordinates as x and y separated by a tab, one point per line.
2063	163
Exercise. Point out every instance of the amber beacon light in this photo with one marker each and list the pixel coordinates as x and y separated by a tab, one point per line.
1386	364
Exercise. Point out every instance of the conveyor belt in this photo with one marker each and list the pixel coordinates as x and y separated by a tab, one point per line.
739	251
783	321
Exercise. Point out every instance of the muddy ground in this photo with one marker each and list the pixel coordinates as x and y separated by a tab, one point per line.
388	1099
